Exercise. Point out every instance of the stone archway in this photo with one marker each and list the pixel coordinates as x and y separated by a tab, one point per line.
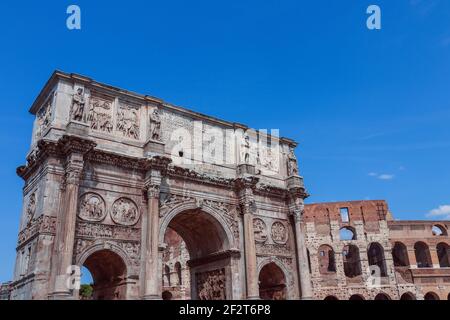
407	296
272	282
109	273
209	245
431	296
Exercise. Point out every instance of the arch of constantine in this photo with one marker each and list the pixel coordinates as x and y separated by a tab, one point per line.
160	202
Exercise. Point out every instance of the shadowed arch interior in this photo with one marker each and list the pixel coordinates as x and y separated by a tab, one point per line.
201	232
272	282
108	272
407	296
356	297
431	296
400	255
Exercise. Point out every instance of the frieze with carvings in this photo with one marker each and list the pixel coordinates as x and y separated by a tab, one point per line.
43	224
270	249
92	207
118	160
175	171
271	190
132	248
173	201
128	120
125	212
211	285
279	232
260	230
97	230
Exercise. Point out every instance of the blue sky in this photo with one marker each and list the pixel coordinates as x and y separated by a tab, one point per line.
371	109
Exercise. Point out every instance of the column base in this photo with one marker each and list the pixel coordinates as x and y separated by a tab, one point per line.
60	296
253	298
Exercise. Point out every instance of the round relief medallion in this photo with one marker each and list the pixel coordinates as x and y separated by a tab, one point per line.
124	211
92	207
279	233
260	230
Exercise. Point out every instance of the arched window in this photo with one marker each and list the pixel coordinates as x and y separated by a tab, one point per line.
400	255
375	254
166	278
438	230
330	298
326	259
423	257
347	233
407	296
309	260
352	261
178	271
443	254
382	296
431	296
356	297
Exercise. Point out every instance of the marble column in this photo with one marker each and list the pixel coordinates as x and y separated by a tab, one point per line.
250	258
302	259
152	274
65	238
248	207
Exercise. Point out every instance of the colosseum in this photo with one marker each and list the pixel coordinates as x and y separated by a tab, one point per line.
160	202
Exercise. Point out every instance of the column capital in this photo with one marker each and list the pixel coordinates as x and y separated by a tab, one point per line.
153	191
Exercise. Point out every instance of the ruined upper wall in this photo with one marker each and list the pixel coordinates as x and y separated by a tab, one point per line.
124	122
366	211
419	230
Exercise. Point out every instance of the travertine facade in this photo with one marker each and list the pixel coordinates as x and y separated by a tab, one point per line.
161	202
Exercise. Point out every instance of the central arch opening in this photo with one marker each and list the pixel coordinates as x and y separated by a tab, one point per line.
197	259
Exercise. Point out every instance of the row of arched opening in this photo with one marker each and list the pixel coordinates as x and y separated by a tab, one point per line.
376	257
172	278
422	254
384	296
351	259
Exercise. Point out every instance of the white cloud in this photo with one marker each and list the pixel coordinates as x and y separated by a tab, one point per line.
381	176
441	211
386	176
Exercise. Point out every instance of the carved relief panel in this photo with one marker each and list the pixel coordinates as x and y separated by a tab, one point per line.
128	120
92	207
31	208
44	116
279	232
100	113
260	230
211	285
125	212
